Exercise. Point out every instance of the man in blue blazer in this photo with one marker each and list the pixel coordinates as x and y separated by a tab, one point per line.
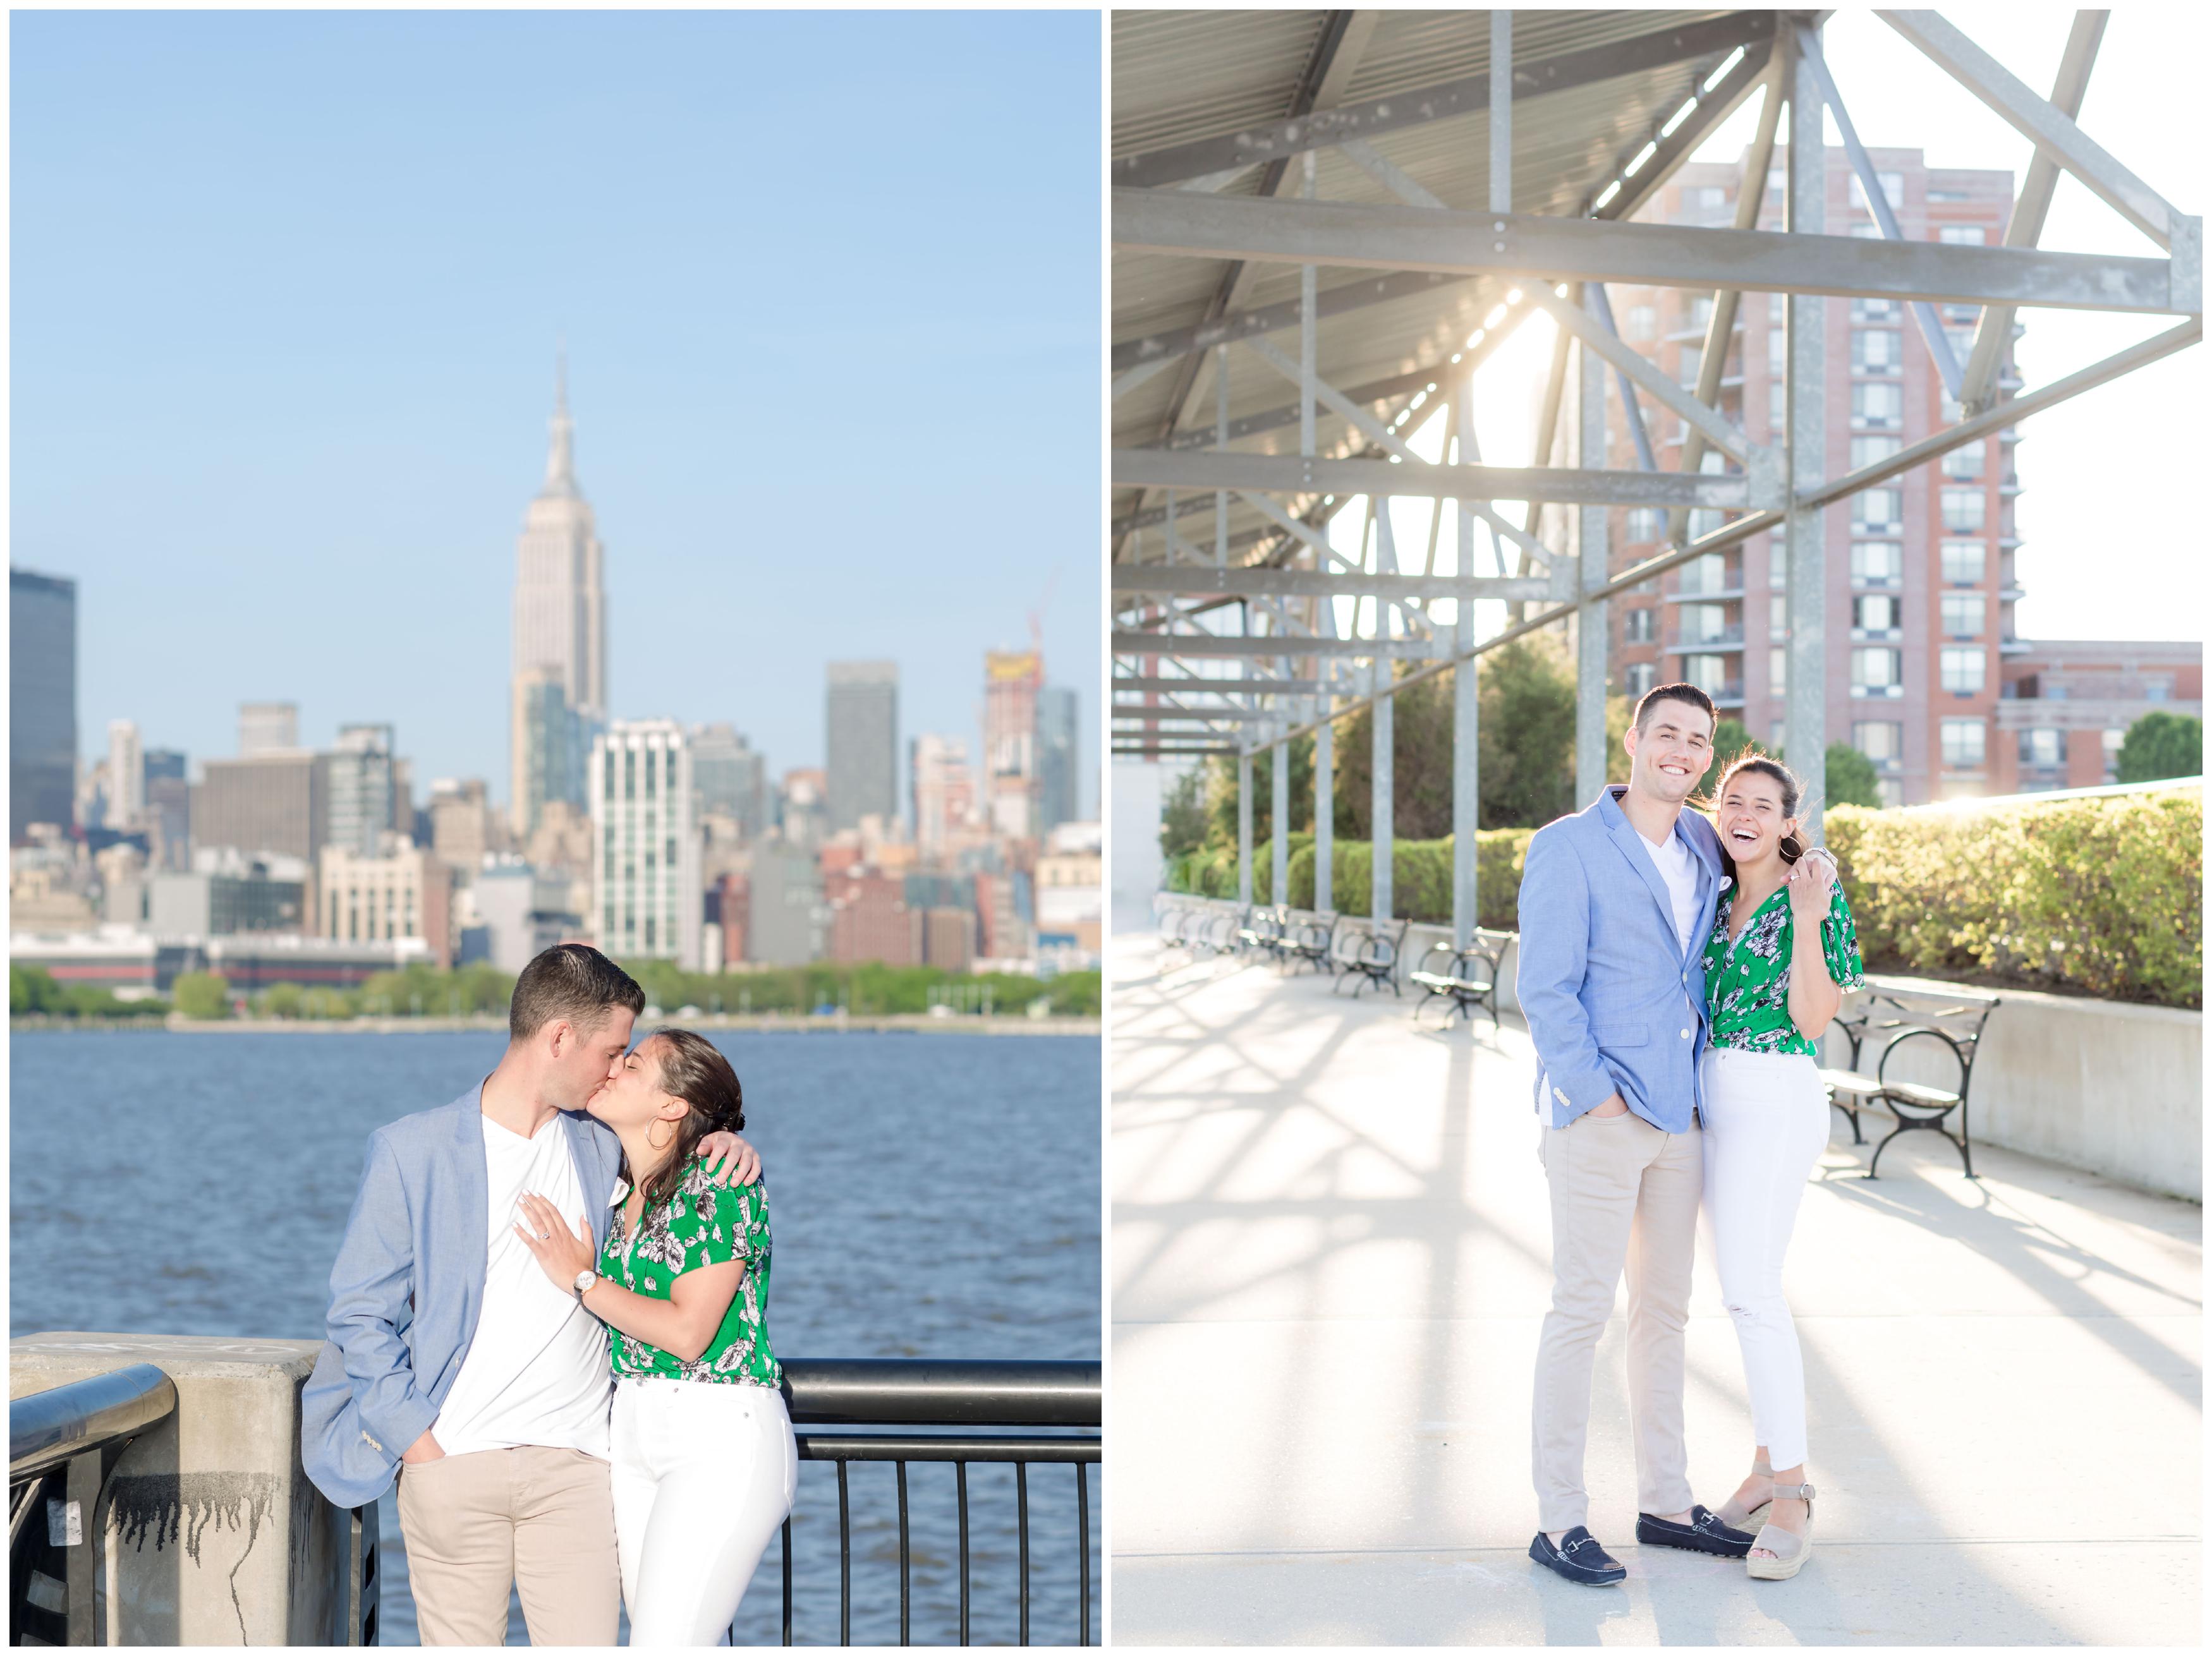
1616	902
452	1363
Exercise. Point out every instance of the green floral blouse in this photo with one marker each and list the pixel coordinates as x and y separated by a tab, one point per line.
1748	981
703	1224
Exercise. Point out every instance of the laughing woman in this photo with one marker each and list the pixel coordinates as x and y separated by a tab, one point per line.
1782	953
704	1463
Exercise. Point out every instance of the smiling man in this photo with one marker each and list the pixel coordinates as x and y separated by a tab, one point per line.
1615	903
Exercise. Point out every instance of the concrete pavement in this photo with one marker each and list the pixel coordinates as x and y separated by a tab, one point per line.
1330	1259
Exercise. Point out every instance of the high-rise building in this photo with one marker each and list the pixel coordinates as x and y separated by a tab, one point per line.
786	922
1920	580
862	725
1012	679
362	793
394	891
41	702
462	828
650	895
731	777
272	802
126	774
560	634
1058	748
943	791
168	808
267	727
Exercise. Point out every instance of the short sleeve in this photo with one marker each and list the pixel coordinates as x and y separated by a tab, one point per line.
1839	942
717	1223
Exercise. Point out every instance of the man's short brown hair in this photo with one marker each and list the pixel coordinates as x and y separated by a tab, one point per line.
571	980
1688	693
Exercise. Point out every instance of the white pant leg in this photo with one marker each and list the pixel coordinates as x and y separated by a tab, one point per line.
1765	1124
723	1469
631	1473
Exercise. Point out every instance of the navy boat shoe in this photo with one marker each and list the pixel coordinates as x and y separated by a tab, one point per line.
1579	1558
1705	1532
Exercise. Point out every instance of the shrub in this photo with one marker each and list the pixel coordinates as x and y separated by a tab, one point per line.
2159	745
2103	896
204	995
31	989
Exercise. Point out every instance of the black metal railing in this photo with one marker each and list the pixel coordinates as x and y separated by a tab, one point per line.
63	1445
1021	1414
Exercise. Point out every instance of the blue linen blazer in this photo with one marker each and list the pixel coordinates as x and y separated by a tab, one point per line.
1614	1002
408	1287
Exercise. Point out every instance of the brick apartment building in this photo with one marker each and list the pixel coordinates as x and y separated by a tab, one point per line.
1925	663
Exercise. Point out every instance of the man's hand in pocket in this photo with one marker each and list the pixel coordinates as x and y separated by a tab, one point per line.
1614	1106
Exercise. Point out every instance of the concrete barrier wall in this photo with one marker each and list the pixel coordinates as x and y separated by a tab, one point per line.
2109	1087
212	1531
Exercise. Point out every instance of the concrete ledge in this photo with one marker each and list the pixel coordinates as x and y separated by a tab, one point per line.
212	1532
2109	1087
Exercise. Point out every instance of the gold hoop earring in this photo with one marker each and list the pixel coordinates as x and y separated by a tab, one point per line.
653	1142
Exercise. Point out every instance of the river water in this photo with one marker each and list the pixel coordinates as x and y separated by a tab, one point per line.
936	1195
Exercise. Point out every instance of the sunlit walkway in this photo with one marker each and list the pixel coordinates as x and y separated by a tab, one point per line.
1330	1259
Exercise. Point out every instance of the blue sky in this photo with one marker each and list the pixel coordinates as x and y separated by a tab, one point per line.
286	287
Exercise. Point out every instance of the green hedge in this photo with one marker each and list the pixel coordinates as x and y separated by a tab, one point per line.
2099	896
1420	874
2102	896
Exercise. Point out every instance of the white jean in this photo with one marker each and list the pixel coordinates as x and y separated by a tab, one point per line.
704	1474
1766	1117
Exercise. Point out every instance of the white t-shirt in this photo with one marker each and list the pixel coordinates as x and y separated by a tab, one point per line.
537	1372
1677	868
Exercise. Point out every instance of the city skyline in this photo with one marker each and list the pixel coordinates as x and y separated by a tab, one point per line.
304	473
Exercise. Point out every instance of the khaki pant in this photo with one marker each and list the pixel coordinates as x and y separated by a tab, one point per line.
541	1521
1622	1192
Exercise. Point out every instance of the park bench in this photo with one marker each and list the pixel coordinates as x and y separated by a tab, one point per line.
1462	980
1368	954
1262	934
1311	939
1216	933
1952	1021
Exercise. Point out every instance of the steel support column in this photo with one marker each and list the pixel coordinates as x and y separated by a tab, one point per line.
1807	738
1382	800
1467	793
1324	781
1591	622
1278	866
1244	826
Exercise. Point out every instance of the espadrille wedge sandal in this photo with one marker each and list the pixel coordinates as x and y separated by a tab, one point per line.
1747	1518
1790	1551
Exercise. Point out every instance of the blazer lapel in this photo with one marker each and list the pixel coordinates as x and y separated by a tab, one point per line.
476	1200
592	1172
1631	844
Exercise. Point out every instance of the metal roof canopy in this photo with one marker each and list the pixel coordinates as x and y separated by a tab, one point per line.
1323	224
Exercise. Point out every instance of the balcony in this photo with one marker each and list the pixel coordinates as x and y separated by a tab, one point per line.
1877	635
2013	647
1704	594
1682	644
1877	692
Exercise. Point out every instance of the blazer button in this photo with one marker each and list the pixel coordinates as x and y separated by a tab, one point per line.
1686	1034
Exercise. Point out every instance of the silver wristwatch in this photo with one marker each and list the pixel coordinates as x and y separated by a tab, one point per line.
585	1280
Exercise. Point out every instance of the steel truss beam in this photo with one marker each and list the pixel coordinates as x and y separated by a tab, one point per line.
1734	534
1192	646
1293	473
1652	255
1443	100
1303	688
2049	129
1260	583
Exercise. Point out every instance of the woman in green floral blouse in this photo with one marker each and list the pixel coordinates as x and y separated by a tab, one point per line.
704	1465
1782	953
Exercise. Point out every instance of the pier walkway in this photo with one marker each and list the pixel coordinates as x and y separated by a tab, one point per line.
1330	1259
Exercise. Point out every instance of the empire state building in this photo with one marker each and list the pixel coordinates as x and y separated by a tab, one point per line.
559	663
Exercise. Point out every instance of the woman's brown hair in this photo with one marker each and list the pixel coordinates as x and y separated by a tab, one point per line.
694	1070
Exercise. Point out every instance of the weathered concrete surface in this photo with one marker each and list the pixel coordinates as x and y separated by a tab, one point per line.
216	1535
1330	1259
